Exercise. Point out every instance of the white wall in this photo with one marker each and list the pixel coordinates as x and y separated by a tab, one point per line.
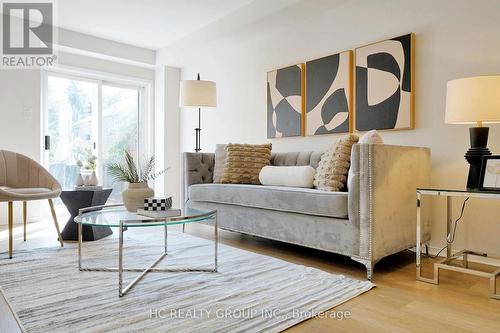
454	38
20	130
167	132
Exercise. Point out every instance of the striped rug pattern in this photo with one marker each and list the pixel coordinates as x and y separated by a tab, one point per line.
250	293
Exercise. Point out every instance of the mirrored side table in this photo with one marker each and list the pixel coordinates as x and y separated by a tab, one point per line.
459	261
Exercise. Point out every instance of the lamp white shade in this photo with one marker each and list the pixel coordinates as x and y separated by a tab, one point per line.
198	93
473	100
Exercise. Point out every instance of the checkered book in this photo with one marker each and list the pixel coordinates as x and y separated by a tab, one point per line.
157	204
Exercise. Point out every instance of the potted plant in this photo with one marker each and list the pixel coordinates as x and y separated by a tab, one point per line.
137	176
89	171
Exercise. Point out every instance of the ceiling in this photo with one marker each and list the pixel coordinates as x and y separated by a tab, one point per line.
147	23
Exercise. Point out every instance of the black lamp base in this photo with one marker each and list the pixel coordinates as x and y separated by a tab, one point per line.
478	142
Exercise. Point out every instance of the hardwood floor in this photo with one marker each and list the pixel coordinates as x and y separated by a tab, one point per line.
398	304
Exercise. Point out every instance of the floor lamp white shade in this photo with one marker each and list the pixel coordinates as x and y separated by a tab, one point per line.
198	93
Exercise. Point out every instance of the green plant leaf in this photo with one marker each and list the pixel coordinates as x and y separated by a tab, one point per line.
132	173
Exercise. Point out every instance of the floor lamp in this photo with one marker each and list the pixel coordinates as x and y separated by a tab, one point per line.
198	93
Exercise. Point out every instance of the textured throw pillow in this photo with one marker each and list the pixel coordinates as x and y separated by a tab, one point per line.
331	174
220	161
244	162
291	176
372	137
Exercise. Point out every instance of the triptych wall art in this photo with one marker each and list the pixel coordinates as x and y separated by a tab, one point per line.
318	97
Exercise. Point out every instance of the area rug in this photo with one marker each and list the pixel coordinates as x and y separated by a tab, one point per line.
250	293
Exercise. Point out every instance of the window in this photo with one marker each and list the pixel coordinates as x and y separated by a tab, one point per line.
89	123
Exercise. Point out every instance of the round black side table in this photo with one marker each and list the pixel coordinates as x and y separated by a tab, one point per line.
77	199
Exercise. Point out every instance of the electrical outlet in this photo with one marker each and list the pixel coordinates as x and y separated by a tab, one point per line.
27	112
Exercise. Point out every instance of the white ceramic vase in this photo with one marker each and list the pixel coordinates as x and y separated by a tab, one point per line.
79	180
86	176
93	181
133	197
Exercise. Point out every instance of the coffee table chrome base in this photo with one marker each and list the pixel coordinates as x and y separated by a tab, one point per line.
120	269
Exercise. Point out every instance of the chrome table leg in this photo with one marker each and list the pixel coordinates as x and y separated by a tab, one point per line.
419	236
216	242
120	261
165	236
435	278
449	207
79	246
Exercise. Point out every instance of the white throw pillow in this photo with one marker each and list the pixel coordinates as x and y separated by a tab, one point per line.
371	137
290	176
220	161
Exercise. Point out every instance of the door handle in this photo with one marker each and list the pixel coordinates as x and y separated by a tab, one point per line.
47	142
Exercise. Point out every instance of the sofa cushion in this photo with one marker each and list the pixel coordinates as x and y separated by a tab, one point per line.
311	158
331	174
244	162
288	199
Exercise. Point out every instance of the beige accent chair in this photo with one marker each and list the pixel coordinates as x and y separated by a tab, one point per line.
22	179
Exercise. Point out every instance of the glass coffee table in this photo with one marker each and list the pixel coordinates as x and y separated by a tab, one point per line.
116	216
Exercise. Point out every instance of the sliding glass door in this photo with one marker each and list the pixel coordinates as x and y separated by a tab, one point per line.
88	124
120	130
71	126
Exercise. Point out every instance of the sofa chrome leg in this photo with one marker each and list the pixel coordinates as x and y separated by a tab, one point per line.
368	265
184	227
369	272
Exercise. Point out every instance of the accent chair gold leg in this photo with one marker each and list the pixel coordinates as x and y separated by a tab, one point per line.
25	217
11	227
54	216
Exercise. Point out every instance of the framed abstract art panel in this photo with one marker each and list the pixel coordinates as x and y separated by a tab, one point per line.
285	102
384	85
329	94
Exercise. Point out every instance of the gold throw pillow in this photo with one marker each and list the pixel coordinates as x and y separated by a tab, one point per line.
331	174
244	162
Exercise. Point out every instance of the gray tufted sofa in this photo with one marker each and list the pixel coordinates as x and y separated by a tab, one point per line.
374	219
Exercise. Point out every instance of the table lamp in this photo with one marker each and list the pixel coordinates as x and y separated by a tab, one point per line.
198	93
474	100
